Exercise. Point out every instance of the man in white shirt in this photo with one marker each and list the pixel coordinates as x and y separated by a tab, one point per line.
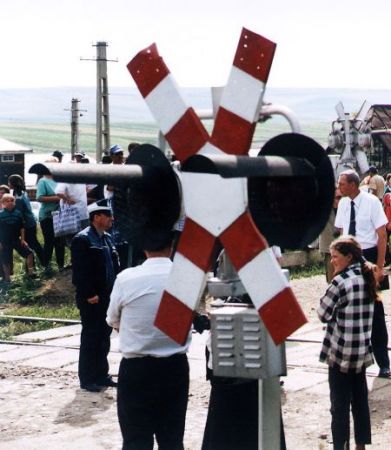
153	379
361	215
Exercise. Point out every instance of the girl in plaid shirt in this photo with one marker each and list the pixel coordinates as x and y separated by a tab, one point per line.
347	308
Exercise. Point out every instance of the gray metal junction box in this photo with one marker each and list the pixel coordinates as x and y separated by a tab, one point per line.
241	345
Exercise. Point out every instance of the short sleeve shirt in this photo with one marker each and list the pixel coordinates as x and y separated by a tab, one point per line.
369	217
46	187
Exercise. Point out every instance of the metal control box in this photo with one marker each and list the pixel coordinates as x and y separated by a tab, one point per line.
241	345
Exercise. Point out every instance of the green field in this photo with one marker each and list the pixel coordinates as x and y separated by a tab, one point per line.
44	137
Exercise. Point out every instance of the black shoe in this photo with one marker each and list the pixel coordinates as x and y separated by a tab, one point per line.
107	382
91	387
384	372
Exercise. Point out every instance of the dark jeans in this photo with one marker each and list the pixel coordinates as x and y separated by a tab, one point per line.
51	242
152	400
349	389
31	239
94	343
379	337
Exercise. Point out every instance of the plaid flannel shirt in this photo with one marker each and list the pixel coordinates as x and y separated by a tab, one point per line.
348	312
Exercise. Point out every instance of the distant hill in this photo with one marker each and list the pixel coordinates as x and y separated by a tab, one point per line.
127	105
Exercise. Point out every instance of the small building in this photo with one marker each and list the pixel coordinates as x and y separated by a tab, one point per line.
11	159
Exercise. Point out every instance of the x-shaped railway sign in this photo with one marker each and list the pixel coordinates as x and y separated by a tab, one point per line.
217	208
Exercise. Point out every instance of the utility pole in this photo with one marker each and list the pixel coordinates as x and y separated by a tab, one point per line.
102	99
75	114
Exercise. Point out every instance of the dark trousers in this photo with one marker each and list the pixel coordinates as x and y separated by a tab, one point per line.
232	421
349	389
379	336
152	401
32	241
94	343
51	242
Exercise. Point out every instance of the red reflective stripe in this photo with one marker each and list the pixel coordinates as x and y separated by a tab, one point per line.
282	315
254	55
242	241
174	318
231	133
197	245
187	136
148	69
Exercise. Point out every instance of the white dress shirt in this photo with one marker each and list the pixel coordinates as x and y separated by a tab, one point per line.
134	302
369	217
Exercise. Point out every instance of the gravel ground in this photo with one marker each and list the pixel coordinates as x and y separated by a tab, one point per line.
42	407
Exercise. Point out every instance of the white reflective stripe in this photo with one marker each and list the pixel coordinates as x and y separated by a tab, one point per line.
212	201
263	278
243	95
166	103
210	149
186	281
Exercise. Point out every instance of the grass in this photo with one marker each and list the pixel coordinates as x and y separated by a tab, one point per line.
44	137
23	297
10	328
306	271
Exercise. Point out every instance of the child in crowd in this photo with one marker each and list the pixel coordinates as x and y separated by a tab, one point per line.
12	237
4	189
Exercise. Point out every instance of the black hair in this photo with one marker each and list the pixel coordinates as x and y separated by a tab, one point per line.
16	183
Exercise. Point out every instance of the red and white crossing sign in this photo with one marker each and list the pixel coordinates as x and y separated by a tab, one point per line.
216	208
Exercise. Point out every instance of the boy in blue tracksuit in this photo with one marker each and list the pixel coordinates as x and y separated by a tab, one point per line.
12	237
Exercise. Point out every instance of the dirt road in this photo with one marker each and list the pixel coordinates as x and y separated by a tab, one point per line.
42	405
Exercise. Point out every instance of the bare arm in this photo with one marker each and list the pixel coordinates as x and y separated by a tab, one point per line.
381	245
22	237
48	198
67	199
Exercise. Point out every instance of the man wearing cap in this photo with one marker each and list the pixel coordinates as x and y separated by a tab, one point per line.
59	155
94	266
79	155
117	154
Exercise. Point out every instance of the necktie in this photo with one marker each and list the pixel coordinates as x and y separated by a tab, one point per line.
352	223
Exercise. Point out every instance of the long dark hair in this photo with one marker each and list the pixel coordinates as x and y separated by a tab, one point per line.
16	183
347	245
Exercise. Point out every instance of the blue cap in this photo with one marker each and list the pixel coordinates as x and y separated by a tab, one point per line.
115	149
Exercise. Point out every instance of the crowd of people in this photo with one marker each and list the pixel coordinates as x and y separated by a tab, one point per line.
153	380
19	225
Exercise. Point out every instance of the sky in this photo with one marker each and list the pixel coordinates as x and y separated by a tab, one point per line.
320	43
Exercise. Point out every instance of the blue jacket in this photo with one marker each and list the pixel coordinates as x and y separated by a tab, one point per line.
94	265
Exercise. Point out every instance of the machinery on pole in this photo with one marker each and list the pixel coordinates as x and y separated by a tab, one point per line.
360	140
75	114
102	100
